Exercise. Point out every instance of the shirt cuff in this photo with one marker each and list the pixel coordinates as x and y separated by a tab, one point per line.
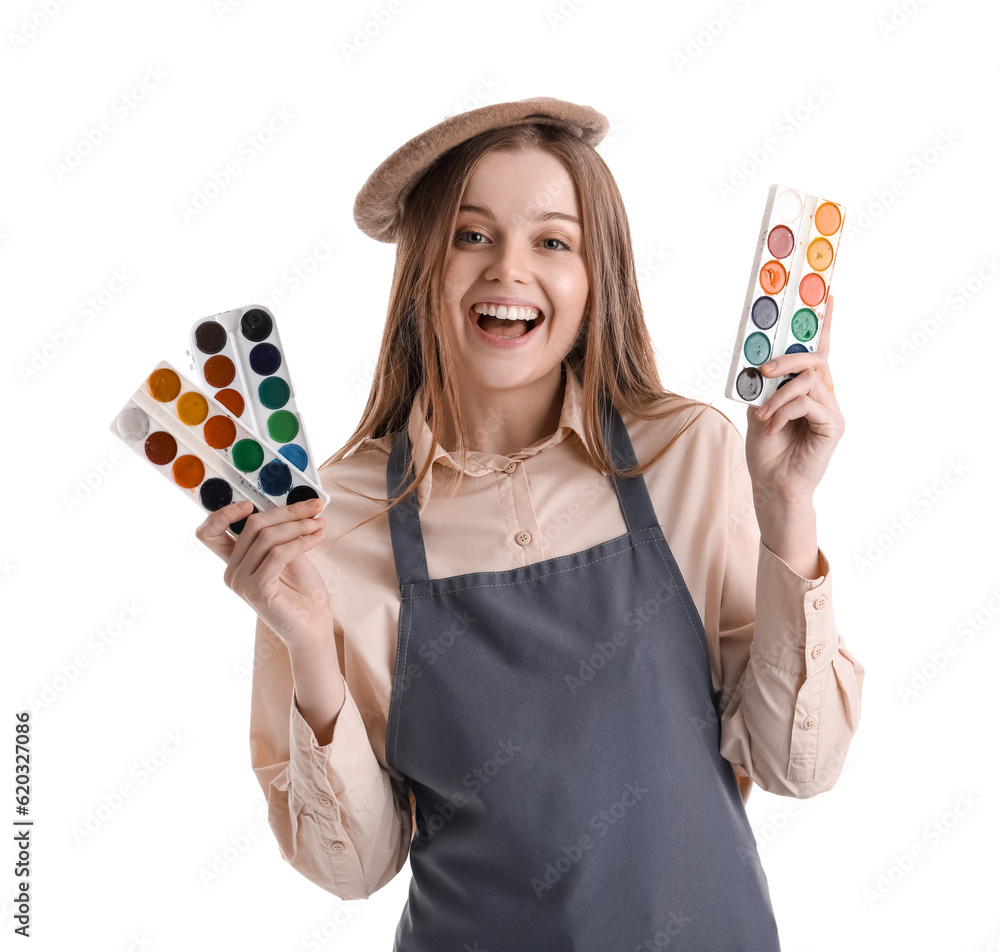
341	775
794	627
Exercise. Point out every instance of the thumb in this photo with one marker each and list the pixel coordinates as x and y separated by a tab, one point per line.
213	532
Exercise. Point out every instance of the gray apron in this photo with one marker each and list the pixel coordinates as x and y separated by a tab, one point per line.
557	725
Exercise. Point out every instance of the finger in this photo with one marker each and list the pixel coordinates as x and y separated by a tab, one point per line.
271	517
279	556
212	532
824	342
797	364
267	539
806	383
816	414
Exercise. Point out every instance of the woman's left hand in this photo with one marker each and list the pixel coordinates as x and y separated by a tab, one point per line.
791	437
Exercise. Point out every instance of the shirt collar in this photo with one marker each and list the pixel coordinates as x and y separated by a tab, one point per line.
480	464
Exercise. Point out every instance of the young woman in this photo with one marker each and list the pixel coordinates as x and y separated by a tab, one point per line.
564	618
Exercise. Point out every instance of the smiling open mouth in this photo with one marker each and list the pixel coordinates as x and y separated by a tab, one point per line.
504	321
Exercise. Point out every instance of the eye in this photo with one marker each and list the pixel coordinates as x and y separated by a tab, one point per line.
462	235
558	241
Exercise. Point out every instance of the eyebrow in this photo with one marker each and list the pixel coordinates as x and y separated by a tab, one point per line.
543	216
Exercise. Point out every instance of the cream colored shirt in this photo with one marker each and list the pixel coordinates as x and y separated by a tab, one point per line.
791	692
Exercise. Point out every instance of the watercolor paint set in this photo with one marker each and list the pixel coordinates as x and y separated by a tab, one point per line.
239	356
789	288
243	440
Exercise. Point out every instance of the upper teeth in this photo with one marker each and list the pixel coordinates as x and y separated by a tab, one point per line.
511	313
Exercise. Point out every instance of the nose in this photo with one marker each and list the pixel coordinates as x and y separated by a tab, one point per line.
509	261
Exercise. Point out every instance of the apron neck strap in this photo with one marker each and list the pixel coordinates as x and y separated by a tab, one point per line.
404	520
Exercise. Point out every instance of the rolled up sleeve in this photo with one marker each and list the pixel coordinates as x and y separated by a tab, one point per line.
791	697
340	819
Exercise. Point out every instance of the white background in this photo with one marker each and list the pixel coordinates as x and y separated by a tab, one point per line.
855	96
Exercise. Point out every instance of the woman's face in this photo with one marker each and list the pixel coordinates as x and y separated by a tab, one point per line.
517	248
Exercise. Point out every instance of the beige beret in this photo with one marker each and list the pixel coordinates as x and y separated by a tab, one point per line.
379	204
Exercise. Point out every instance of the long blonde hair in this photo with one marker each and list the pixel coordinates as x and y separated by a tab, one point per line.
613	355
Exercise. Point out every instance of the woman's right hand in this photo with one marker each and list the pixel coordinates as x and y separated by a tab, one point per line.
267	567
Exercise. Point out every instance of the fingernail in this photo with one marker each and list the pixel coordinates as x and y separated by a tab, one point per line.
770	365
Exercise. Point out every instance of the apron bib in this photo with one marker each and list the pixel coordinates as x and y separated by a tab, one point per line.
557	725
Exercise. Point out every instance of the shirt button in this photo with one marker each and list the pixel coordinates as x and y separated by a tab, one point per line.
324	801
522	538
510	467
820	603
809	723
337	846
817	652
